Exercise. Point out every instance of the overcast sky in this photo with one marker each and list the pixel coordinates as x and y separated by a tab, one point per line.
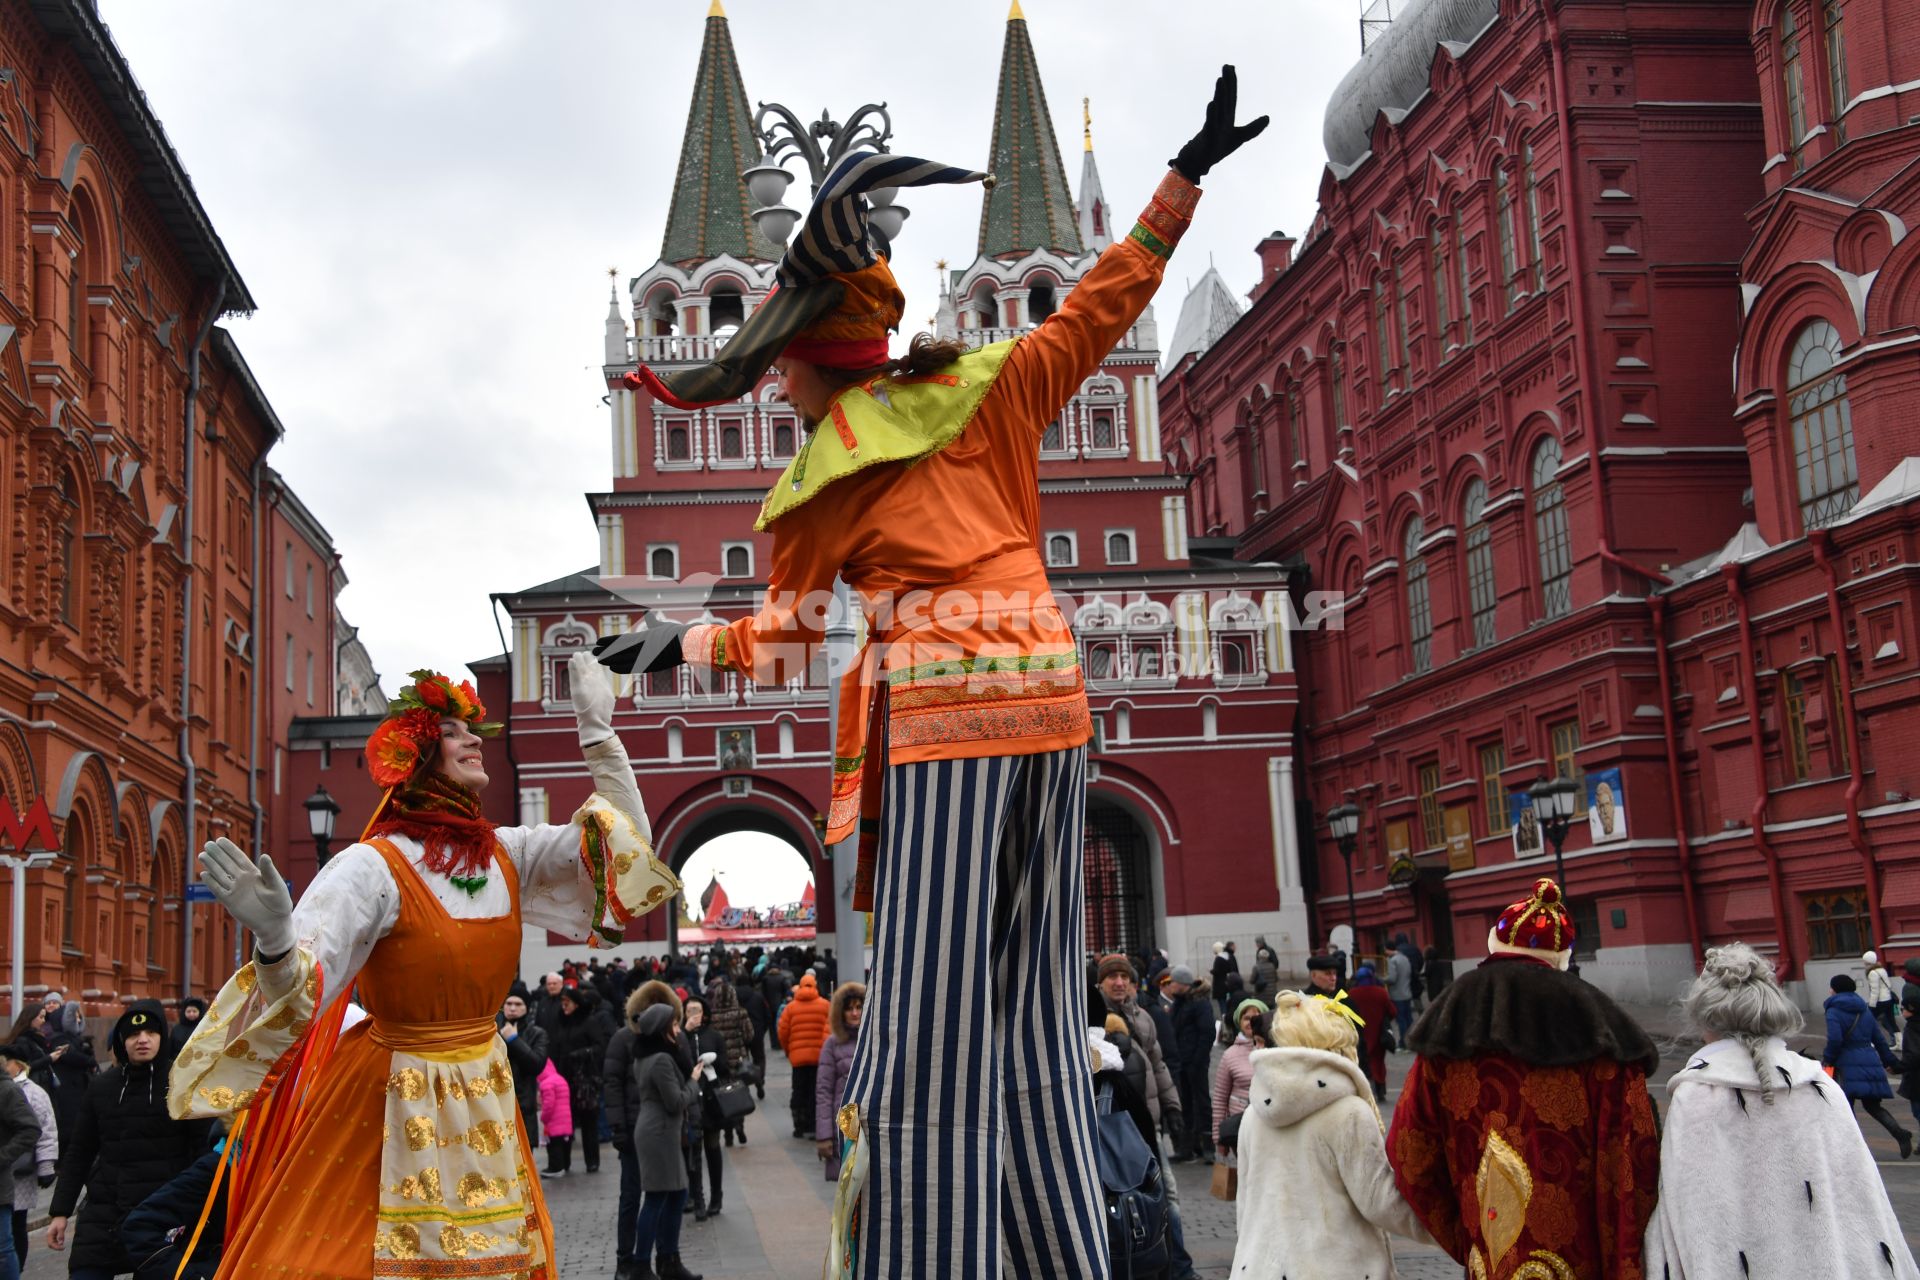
425	199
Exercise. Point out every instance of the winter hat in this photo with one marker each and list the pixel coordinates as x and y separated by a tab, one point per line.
654	1021
1840	982
1116	963
1219	948
141	1015
1539	927
1870	959
17	1052
518	988
1324	962
1181	974
1240	1010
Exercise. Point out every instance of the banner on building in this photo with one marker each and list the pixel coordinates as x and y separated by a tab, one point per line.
1606	806
1528	840
1400	866
1459	838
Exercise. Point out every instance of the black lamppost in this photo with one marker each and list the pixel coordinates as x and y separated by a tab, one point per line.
1343	820
322	809
1553	801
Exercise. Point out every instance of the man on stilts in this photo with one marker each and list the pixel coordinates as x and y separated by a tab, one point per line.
965	775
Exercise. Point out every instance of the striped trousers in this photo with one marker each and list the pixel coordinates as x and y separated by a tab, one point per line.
972	1069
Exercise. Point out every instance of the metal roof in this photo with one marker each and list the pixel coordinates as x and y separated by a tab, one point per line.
1029	206
711	211
1209	311
1392	73
160	173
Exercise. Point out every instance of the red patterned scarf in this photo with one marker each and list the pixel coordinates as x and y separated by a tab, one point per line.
444	816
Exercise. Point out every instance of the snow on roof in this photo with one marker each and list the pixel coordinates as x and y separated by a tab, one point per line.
1901	484
1210	310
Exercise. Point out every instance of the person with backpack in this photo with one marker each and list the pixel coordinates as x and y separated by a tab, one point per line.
1138	1207
1316	1195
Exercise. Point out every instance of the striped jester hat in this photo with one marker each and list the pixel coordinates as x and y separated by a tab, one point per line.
835	299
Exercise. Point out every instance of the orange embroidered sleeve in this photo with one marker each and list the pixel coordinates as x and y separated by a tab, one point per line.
776	643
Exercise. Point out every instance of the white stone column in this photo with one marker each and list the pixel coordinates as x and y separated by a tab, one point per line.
1292	942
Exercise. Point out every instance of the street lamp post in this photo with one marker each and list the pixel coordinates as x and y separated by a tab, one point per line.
1553	801
821	145
322	809
1343	820
19	864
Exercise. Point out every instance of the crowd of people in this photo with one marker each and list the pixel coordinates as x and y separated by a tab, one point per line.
662	1060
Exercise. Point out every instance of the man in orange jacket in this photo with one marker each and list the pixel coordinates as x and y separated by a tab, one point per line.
803	1030
965	774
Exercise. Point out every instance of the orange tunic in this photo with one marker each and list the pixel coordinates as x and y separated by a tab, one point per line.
944	552
431	988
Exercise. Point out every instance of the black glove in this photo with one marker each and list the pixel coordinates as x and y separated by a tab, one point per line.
654	647
46	1180
1174	1124
1219	137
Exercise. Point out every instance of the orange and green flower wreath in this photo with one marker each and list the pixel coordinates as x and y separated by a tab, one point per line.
412	726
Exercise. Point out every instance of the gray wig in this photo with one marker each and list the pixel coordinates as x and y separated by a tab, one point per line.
1737	998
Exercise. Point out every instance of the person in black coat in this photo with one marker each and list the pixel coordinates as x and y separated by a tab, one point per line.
156	1234
1192	1043
74	1066
192	1009
704	1122
762	1016
526	1056
125	1146
578	1047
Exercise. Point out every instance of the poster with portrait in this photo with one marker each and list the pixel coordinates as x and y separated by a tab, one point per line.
1400	864
1528	840
1606	806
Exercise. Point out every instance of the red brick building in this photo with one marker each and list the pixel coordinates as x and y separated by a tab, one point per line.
1573	387
1191	811
143	528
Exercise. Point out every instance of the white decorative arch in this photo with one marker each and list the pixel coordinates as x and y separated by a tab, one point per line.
568	633
1097	614
1236	611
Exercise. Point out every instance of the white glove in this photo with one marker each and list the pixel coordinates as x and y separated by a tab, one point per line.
592	698
254	893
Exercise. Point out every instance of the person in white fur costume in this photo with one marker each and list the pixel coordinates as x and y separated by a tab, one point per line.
1316	1197
1763	1171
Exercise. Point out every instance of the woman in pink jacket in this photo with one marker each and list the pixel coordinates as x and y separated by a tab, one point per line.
1234	1078
836	1064
556	1119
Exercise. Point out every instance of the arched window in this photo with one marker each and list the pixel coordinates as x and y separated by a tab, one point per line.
1060	550
679	443
1296	436
1400	360
1256	468
660	563
1103	435
1533	220
732	442
783	440
68	550
1040	301
1481	596
1836	68
1053	439
1338	372
1550	530
1510	263
1120	548
74	877
1442	287
1822	420
1383	333
739	562
1413	570
1793	74
1460	260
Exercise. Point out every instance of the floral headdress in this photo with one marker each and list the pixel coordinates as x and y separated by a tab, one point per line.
412	726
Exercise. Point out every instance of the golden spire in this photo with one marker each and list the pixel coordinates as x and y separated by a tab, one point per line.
1013	14
1086	119
715	11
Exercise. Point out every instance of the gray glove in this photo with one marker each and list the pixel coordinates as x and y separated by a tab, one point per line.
592	698
253	892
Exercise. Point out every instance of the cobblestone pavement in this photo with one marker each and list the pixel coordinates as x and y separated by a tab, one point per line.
775	1222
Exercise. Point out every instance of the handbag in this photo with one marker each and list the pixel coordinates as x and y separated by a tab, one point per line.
733	1099
1230	1131
1226	1181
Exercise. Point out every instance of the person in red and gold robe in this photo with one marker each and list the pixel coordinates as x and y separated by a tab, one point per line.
1525	1139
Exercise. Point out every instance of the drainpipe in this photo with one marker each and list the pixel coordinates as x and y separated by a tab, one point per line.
1750	690
258	690
1821	540
1577	285
1682	846
190	784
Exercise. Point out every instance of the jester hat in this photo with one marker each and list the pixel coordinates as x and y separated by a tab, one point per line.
835	299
